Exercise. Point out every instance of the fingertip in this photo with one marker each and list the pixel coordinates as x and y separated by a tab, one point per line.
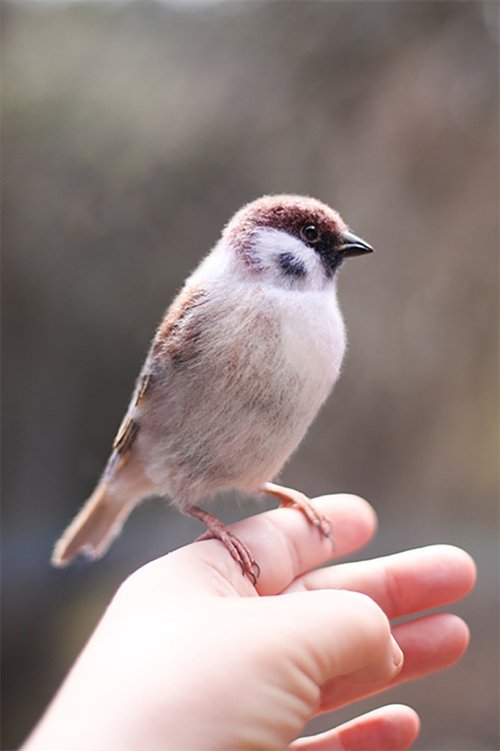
433	642
402	726
462	561
362	509
393	728
459	634
352	499
404	710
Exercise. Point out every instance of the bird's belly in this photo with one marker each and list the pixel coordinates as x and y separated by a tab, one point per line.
242	406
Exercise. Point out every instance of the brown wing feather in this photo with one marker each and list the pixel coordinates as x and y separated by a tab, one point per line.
175	339
126	435
127	432
179	332
143	386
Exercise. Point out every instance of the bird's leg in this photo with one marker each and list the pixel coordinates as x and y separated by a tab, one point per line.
216	530
295	499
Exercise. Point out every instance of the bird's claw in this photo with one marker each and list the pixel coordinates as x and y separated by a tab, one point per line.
294	499
239	550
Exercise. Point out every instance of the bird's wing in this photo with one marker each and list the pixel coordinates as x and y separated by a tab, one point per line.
174	345
130	426
176	337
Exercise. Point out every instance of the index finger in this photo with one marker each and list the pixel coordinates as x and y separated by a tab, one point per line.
285	545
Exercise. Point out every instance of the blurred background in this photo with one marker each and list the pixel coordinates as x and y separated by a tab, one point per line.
131	132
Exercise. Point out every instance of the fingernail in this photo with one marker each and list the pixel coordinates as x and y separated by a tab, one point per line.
397	654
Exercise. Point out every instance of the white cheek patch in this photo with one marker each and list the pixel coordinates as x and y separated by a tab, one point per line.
273	242
287	256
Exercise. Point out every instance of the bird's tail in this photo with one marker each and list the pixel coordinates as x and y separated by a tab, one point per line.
93	530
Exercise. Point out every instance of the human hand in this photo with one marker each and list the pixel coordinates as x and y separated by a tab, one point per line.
189	655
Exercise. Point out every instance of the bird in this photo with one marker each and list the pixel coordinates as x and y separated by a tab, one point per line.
239	366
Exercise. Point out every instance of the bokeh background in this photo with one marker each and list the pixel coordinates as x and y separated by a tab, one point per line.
131	132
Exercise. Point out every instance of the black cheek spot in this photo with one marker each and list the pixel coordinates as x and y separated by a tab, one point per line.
291	265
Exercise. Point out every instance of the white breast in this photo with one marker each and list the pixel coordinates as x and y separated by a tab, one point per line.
314	339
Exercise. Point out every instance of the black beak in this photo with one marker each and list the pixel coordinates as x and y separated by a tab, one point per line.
351	245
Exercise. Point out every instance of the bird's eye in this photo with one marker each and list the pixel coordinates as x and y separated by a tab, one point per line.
310	233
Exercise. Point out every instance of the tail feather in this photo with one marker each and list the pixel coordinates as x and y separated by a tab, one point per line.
93	530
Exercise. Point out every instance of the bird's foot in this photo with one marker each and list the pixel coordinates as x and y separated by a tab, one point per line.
295	499
239	550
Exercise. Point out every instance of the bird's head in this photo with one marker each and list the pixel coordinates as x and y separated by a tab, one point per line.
292	241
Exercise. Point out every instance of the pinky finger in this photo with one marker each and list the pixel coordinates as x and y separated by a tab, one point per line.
393	728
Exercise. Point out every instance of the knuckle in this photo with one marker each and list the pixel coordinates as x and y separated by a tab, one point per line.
371	613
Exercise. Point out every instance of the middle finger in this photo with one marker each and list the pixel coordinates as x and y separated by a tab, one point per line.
403	583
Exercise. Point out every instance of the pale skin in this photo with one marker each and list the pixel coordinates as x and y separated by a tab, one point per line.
190	655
